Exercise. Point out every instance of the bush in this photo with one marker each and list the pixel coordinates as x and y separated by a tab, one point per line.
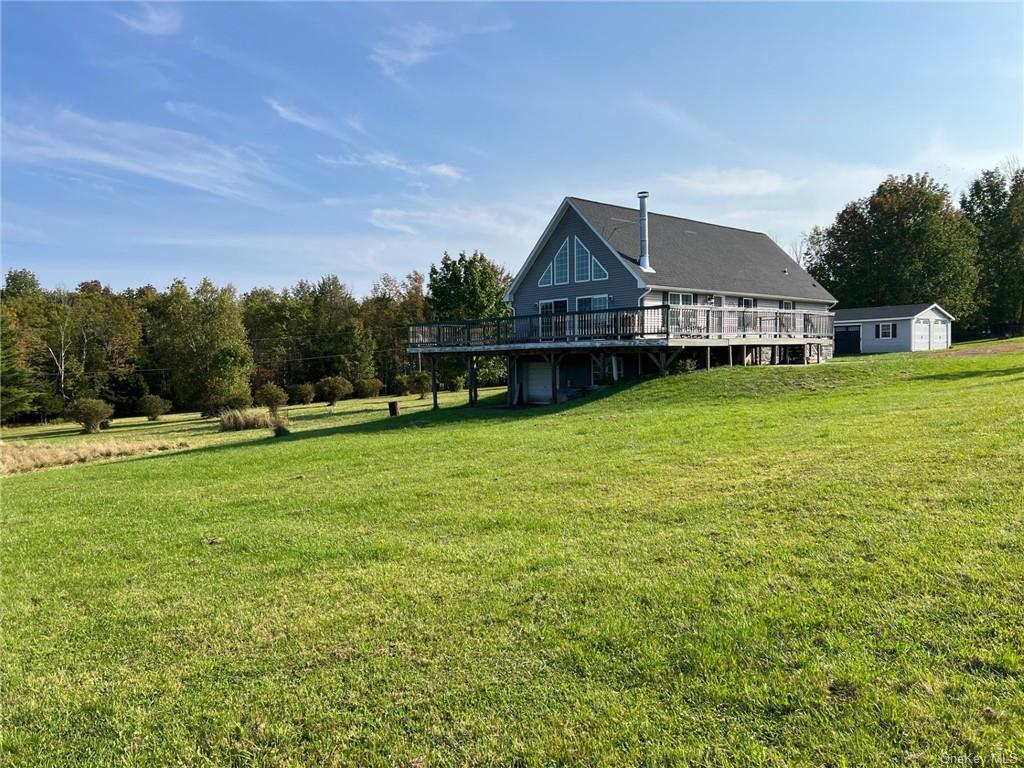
153	406
303	393
282	427
401	385
369	387
233	419
419	383
456	384
90	413
333	388
271	396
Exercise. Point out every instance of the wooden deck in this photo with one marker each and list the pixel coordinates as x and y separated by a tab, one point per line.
633	327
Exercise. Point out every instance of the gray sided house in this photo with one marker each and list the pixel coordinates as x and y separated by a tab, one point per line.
894	328
611	292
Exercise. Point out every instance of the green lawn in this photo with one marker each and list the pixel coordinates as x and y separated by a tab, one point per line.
820	566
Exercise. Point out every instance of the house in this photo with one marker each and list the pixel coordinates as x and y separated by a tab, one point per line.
896	328
611	292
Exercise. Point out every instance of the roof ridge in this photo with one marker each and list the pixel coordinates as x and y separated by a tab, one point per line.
669	216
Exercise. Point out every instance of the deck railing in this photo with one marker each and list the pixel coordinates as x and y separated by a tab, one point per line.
637	323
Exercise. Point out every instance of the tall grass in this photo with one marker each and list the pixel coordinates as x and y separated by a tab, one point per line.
25	457
233	420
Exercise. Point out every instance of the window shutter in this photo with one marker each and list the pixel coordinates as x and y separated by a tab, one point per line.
878	330
894	329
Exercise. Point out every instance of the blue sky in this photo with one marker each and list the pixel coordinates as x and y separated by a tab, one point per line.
260	144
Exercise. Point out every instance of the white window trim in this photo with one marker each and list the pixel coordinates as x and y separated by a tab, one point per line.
790	308
604	296
882	327
549	274
720	297
554	266
680	295
577	244
743	299
593	261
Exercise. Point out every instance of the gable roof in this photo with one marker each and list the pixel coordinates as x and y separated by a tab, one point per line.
888	312
695	255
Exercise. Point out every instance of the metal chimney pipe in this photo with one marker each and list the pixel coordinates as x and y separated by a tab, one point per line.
645	259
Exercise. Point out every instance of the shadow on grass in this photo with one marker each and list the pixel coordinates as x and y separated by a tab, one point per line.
490	408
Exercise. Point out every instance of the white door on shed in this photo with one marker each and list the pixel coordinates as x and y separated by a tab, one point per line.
940	334
922	334
538	383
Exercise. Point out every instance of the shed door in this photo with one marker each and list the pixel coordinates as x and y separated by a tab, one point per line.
847	340
940	334
538	383
922	334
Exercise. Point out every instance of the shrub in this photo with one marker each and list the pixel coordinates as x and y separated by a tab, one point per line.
271	396
456	383
153	406
401	385
233	419
419	383
333	388
282	427
90	413
369	387
303	393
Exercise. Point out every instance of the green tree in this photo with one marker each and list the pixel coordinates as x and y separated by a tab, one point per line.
392	306
153	406
467	288
17	389
994	202
198	336
905	243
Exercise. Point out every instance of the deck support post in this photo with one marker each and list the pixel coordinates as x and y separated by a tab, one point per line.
707	355
554	379
433	378
730	348
775	354
508	380
469	379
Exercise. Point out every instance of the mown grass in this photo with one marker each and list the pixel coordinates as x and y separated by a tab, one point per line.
820	566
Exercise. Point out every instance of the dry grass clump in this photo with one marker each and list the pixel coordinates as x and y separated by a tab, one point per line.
24	457
234	419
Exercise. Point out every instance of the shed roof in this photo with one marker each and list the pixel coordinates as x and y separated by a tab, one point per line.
888	312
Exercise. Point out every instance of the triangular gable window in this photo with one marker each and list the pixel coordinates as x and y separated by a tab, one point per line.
597	272
545	279
562	264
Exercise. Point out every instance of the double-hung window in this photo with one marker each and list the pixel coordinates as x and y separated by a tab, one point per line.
590	303
885	330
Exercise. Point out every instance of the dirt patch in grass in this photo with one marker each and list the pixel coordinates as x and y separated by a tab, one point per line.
988	348
25	457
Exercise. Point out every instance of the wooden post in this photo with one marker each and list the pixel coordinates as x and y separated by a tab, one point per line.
554	379
433	378
707	349
730	355
469	378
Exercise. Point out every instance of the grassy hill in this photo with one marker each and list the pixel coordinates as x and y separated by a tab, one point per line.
818	565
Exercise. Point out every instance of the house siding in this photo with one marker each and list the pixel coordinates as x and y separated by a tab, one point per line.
902	343
621	285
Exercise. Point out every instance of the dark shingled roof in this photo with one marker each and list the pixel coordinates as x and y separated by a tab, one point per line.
694	254
890	312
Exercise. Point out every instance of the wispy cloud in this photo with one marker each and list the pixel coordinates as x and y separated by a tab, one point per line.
686	124
388	161
153	19
736	182
406	47
67	140
409	45
483	223
296	116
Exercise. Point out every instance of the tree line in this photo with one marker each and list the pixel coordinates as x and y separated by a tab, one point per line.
208	347
908	242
